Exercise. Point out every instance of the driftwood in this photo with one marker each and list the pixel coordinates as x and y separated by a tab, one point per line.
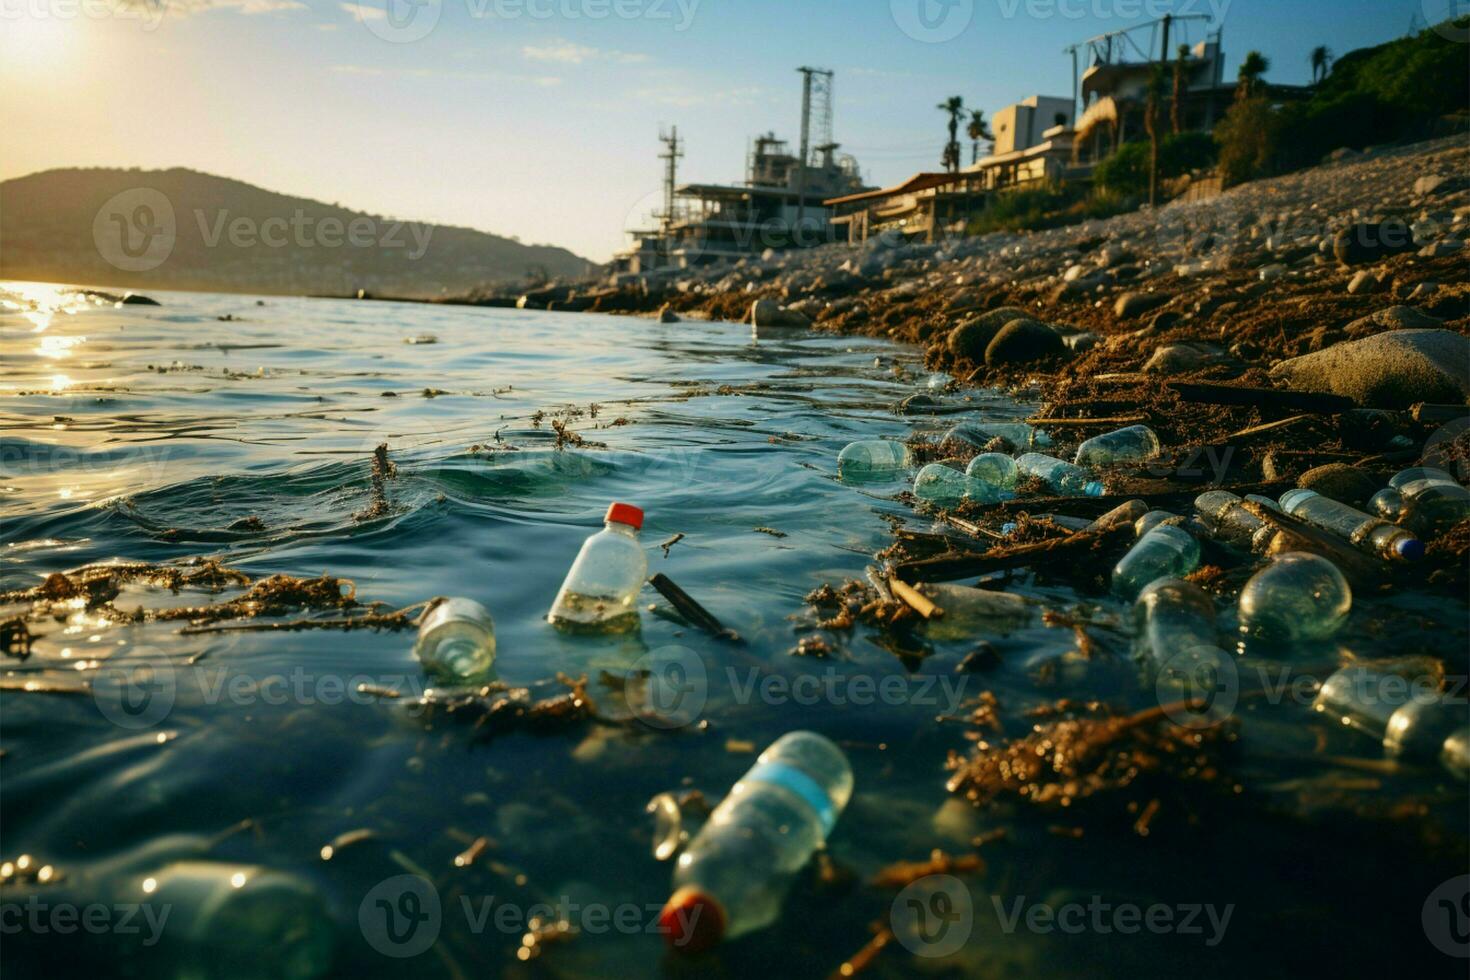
1016	556
1120	420
691	610
1438	414
1266	398
1295	534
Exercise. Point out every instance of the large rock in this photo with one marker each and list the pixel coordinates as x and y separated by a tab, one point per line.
970	339
1388	370
1130	305
1024	340
1392	318
1365	242
1185	358
766	313
1341	482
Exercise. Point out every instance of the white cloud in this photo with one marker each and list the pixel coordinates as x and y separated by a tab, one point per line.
571	53
361	12
186	8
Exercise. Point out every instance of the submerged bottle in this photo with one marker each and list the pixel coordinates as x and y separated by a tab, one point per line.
602	587
1364	531
873	457
979	434
1062	477
940	485
1298	597
1173	617
232	920
1365	699
1133	444
1418	730
456	640
733	875
1165	552
993	477
1232	522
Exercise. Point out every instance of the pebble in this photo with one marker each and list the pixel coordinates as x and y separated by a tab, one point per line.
769	313
1388	370
1364	282
1366	242
1184	358
1341	482
1130	305
1024	340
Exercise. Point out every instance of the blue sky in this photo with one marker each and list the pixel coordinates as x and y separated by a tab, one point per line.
539	118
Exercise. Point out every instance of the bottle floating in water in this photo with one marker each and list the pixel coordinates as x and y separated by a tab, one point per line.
1164	552
1364	531
1418	730
601	590
1173	617
942	486
1298	597
1231	521
980	434
733	875
1062	477
1365	699
232	920
456	640
873	457
993	477
1133	444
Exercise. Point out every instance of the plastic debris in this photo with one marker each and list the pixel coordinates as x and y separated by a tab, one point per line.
601	589
457	640
1164	552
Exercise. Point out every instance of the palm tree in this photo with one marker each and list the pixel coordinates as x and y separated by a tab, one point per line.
1152	123
978	130
1251	69
1176	104
955	107
1321	63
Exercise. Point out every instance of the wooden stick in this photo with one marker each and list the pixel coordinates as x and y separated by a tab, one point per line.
1019	556
690	609
1257	430
1273	398
917	600
1062	423
1437	414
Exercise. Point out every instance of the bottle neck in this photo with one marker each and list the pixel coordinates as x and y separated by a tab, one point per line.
617	527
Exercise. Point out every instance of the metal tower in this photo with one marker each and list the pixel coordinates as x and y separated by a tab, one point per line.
816	120
671	155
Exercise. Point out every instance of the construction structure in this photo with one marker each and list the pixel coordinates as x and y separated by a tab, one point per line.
779	205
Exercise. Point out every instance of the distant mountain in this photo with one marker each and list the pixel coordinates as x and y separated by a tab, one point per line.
182	229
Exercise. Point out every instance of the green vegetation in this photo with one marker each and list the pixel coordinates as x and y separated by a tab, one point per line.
1126	172
1049	207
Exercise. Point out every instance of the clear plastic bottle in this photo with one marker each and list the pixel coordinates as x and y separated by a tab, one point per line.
1454	755
1298	597
1416	473
941	485
979	434
732	877
601	590
1433	505
1151	520
1062	477
1127	512
233	920
1364	531
993	477
1133	444
1418	730
1365	699
873	457
1172	617
456	640
1231	521
1165	552
1390	504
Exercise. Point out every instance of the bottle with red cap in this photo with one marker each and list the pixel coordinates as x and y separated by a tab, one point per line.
735	872
601	590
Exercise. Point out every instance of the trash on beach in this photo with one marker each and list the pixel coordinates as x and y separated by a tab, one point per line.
1411	716
980	435
1172	617
456	640
969	612
869	458
1298	597
1164	552
941	485
732	877
600	592
1364	531
1136	443
993	476
1229	520
1425	499
1065	478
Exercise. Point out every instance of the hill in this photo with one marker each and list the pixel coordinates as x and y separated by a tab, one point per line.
182	229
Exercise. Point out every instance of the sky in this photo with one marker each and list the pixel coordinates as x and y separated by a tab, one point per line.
540	118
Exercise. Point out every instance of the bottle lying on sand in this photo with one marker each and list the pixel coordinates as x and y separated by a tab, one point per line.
601	591
1298	597
993	477
1165	552
979	434
873	457
1230	521
1388	503
1062	477
1423	498
1364	531
456	640
732	877
1133	444
942	486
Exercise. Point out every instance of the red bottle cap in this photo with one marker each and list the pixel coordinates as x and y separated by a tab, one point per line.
626	514
692	921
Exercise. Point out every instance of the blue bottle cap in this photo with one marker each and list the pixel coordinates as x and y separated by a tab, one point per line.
1410	549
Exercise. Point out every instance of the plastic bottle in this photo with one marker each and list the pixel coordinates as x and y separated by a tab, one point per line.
1231	521
1418	730
1390	504
870	457
1173	617
1365	699
1364	531
941	485
456	640
1062	477
232	920
1127	512
979	434
1151	520
1164	552
1298	597
733	875
1454	755
1416	473
602	587
1133	444
1432	505
993	477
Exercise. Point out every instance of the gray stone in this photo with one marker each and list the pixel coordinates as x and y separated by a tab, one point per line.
1078	343
1341	482
1387	370
1392	318
769	313
1130	305
1023	340
1185	358
1364	282
1366	242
